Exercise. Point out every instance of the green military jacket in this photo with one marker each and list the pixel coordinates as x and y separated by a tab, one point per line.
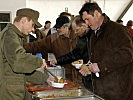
15	64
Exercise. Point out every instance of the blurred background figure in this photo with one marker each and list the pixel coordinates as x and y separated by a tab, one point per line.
129	27
120	21
130	23
46	28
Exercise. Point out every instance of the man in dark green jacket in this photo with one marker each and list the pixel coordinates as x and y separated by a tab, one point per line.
15	62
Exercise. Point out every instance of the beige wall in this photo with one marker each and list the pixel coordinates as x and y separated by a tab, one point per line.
50	9
128	16
12	5
113	8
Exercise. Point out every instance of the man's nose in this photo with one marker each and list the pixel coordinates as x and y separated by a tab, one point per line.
87	23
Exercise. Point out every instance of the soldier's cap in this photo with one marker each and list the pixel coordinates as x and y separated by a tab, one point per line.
33	14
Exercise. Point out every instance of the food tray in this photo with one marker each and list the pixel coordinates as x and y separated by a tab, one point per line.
35	87
70	94
59	93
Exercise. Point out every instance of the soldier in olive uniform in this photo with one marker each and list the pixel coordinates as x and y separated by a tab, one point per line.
15	63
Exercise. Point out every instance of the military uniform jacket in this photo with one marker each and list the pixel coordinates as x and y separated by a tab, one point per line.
15	63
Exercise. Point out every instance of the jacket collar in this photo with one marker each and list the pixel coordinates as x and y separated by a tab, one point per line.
62	36
16	30
105	21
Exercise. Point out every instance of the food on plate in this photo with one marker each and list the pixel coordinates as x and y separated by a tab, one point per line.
59	83
78	62
77	65
85	68
61	80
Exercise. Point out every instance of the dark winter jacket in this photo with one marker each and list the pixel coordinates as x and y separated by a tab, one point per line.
81	51
112	49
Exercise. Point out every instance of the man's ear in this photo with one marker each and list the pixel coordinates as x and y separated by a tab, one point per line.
23	20
96	13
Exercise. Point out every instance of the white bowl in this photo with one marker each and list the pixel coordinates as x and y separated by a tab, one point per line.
77	65
58	85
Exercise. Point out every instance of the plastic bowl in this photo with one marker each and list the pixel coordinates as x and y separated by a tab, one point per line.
77	65
58	85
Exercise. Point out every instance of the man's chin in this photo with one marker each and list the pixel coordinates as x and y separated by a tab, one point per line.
92	28
26	34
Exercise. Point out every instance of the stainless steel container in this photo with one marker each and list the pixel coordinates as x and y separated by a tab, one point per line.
66	94
57	71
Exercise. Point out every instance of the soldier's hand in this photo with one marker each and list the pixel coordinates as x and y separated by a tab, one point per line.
49	80
44	65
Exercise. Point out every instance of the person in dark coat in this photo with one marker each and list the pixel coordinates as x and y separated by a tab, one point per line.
81	51
111	55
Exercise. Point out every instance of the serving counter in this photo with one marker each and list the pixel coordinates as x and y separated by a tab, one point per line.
71	91
65	94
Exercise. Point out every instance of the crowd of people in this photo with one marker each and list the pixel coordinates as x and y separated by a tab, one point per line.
105	46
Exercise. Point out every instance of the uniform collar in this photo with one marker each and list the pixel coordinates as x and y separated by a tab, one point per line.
16	30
